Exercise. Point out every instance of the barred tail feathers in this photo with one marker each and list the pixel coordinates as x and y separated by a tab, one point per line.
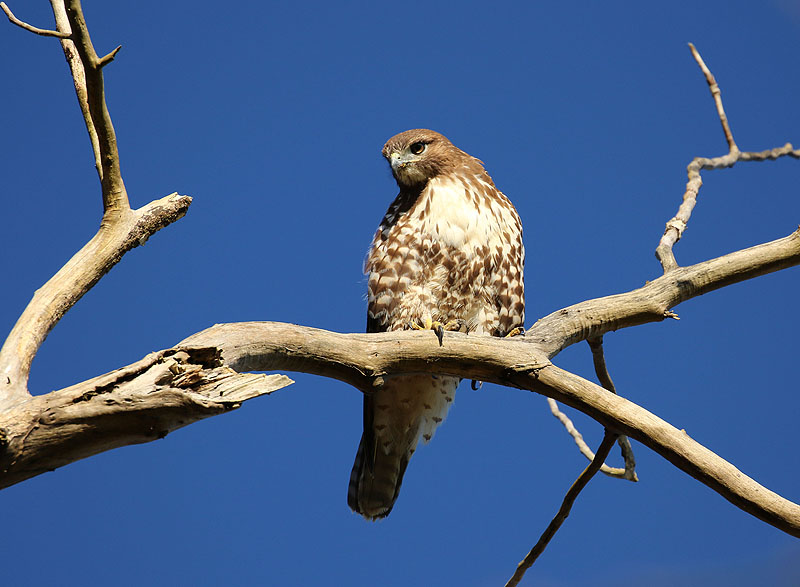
374	489
395	417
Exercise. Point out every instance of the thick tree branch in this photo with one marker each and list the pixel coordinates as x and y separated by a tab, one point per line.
363	360
652	302
73	280
139	403
669	442
258	346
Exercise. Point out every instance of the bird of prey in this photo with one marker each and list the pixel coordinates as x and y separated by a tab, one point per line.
447	255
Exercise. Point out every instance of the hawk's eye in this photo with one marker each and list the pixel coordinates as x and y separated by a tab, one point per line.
417	148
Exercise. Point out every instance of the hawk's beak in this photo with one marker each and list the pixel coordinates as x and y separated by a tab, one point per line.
395	160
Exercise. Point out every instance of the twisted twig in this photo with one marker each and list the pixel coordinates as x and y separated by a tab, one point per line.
677	224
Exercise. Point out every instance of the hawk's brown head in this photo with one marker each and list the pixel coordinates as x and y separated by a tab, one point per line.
419	155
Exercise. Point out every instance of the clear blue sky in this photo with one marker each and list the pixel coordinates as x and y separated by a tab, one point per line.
272	118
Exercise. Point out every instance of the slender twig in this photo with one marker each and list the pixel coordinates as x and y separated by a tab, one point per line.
717	95
630	460
601	369
30	28
584	449
629	472
563	512
677	225
599	360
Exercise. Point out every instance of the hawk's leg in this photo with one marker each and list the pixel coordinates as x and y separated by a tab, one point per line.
438	328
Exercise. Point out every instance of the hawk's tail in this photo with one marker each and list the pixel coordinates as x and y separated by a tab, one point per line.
375	481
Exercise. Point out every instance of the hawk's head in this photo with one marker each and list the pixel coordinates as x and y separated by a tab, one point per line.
419	155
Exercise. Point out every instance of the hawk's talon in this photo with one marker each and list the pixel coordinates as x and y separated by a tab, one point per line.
457	325
439	328
476	385
427	324
517	331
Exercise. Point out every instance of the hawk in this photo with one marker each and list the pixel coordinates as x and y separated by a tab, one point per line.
448	254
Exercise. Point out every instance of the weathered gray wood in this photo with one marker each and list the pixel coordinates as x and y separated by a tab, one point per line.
363	360
200	378
144	401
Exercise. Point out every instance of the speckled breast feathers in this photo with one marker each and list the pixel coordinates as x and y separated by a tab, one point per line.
449	248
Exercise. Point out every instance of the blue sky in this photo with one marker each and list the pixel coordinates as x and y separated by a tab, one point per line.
272	118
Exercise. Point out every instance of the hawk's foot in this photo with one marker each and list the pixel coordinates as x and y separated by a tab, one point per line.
518	331
438	328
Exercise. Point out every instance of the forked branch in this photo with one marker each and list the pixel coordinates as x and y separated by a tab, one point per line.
172	388
115	197
677	224
601	369
569	426
629	471
121	228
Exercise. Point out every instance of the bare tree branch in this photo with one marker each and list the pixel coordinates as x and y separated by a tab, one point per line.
599	361
675	445
121	228
566	506
629	471
717	95
361	359
139	403
73	280
616	472
601	369
652	302
172	388
115	197
44	32
78	79
678	223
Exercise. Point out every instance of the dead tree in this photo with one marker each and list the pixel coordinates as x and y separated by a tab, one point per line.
207	373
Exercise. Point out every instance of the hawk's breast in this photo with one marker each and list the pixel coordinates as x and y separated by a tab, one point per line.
442	258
